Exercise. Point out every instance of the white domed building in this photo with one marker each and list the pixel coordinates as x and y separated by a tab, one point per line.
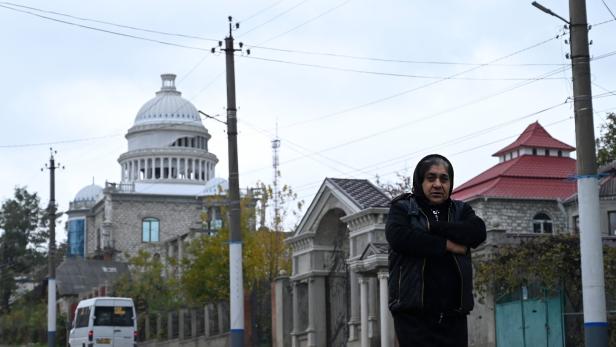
165	176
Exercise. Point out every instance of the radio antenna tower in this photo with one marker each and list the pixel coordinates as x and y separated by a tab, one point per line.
276	193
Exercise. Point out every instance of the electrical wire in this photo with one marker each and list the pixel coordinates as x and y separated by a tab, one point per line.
608	8
107	31
260	12
390	74
109	23
423	86
385	60
329	10
272	18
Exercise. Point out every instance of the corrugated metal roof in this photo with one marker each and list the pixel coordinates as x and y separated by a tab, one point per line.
528	176
535	136
362	192
77	275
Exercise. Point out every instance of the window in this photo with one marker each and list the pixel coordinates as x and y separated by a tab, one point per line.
534	151
542	223
150	230
576	224
120	316
611	217
83	315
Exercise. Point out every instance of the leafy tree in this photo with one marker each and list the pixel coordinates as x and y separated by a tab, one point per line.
205	275
147	285
606	143
19	242
270	236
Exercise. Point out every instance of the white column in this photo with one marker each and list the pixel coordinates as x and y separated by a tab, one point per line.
138	169
354	319
384	309
311	312
372	306
197	169
363	294
295	331
147	168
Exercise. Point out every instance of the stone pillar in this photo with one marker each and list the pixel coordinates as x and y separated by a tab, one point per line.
146	328
181	323
363	293
193	323
169	325
138	169
295	331
372	307
146	164
159	325
384	309
354	319
280	309
316	312
206	320
221	319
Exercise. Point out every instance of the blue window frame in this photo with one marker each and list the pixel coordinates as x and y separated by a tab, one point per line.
150	230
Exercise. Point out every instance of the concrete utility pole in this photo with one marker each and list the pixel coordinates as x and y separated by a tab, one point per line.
591	245
51	281
235	235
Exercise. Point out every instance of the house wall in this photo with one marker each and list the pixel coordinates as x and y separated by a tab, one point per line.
515	216
126	212
606	205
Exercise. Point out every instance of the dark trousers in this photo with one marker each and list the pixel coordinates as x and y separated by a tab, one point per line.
431	330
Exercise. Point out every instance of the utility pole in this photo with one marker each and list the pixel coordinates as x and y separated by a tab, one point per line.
591	244
235	235
51	281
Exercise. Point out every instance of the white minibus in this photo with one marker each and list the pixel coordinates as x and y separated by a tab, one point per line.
104	322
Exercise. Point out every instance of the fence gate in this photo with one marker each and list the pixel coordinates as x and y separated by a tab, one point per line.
530	322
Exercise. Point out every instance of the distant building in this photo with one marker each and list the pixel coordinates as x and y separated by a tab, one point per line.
166	175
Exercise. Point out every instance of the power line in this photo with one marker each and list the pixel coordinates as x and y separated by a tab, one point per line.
608	8
423	86
385	60
260	11
273	18
391	74
107	31
110	23
329	10
408	91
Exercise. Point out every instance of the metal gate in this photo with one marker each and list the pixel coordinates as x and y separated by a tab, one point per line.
530	322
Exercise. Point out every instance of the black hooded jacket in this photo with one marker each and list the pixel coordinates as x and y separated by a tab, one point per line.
423	276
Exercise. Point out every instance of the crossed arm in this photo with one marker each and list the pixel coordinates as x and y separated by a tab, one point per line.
454	237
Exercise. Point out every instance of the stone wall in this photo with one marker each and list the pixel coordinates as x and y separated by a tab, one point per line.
515	216
177	215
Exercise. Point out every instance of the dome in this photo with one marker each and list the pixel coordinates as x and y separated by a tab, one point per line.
89	193
168	106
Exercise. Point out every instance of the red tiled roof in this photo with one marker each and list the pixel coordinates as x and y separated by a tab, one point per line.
528	176
535	136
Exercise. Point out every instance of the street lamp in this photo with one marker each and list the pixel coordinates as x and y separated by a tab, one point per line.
591	244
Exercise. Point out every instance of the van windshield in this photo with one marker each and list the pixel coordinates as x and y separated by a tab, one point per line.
121	316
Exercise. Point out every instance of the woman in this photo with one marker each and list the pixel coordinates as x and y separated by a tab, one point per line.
430	271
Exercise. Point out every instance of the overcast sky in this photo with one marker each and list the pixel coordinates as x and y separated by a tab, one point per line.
359	88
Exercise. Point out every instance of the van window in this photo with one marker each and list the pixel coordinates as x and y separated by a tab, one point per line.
121	316
83	315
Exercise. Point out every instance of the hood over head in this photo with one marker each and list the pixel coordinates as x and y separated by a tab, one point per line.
423	166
